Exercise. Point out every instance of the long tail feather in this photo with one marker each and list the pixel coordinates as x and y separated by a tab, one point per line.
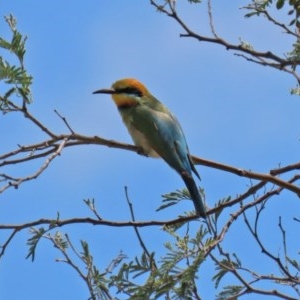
195	195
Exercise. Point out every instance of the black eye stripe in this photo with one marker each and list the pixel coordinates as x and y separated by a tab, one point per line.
130	91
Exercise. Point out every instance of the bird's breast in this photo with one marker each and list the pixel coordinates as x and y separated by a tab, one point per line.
138	137
141	141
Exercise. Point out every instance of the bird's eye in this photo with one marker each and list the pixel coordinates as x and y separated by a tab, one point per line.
131	91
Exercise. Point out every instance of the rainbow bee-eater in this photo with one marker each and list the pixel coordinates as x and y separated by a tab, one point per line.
155	130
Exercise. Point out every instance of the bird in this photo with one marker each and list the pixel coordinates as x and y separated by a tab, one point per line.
156	131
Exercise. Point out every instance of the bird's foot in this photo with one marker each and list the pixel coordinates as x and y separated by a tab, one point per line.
141	151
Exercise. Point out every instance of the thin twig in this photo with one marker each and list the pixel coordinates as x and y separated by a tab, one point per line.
283	242
270	59
91	221
249	174
152	261
70	262
271	19
19	181
65	121
211	23
4	246
254	232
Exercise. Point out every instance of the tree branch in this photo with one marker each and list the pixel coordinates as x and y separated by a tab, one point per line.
266	58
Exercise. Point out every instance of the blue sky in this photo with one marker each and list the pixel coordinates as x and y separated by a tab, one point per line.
232	112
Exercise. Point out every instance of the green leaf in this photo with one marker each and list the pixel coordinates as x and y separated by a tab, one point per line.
33	241
224	266
280	4
295	91
15	74
4	44
229	292
220	202
61	241
294	263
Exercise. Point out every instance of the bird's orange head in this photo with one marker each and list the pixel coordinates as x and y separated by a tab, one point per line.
126	92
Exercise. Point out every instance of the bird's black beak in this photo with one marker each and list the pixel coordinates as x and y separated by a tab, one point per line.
105	91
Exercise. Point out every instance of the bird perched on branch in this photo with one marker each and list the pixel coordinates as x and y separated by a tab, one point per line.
155	130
